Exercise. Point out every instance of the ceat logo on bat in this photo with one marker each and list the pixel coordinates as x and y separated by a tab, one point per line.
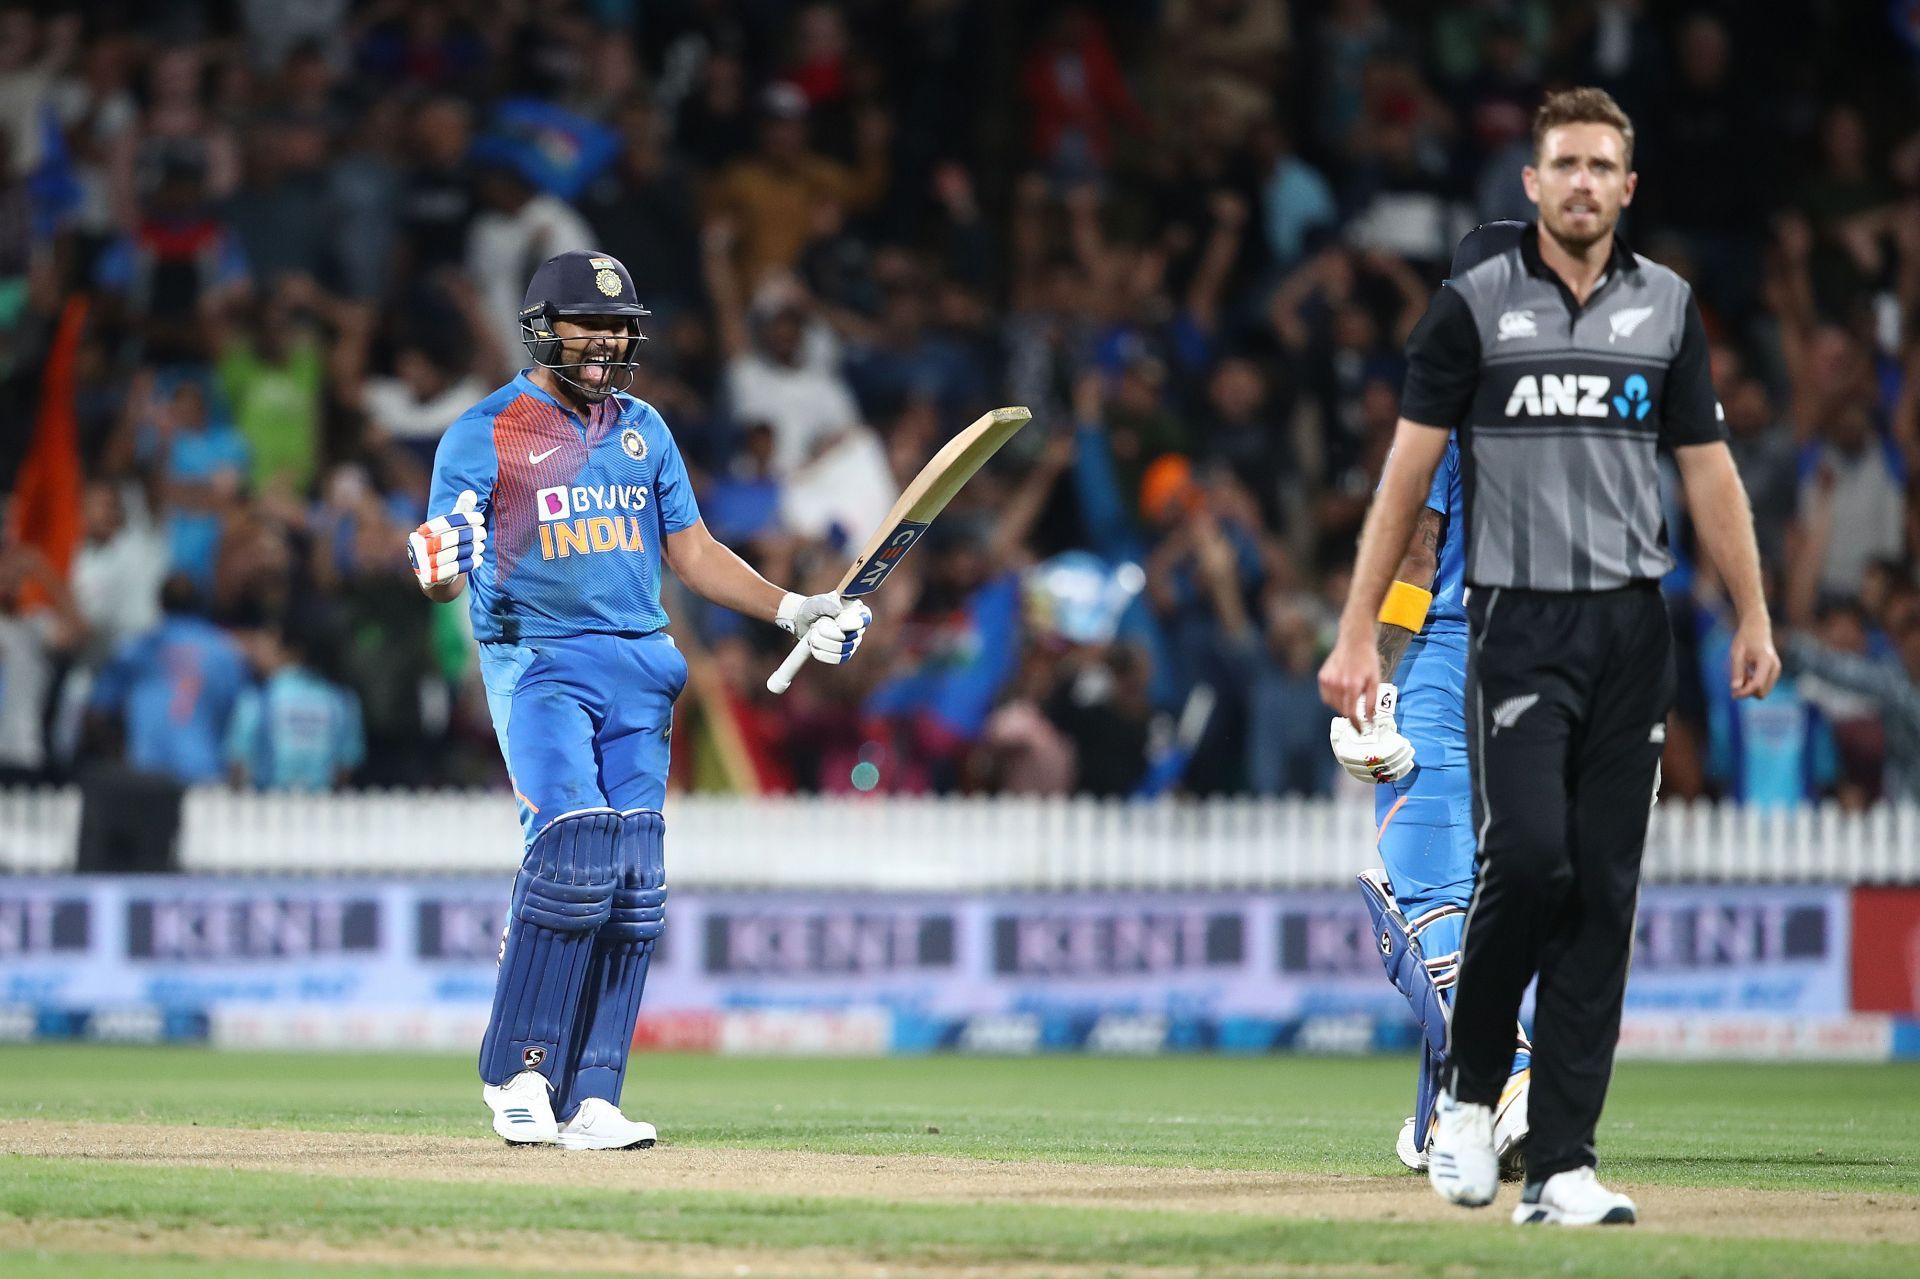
898	543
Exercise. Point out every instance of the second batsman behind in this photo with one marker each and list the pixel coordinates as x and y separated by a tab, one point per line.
1415	748
556	498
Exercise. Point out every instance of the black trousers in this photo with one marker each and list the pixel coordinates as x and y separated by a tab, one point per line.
1567	698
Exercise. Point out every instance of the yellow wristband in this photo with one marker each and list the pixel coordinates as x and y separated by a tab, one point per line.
1406	606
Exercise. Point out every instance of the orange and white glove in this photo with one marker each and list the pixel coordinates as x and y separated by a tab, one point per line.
447	546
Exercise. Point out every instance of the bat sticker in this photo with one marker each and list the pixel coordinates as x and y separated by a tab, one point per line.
875	570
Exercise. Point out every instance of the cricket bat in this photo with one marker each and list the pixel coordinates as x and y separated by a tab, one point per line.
925	498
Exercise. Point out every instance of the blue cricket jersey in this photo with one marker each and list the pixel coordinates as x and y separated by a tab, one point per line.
295	732
577	508
1448	614
1432	678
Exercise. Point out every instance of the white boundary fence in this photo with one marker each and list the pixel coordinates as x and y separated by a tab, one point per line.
938	844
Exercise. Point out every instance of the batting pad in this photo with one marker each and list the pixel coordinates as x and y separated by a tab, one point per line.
561	899
1424	983
618	971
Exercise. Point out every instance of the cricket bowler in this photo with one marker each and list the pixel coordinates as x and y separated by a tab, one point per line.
556	498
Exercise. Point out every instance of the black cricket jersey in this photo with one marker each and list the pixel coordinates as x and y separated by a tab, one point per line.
1562	410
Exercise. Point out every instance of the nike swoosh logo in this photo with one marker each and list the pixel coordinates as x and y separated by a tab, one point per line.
537	458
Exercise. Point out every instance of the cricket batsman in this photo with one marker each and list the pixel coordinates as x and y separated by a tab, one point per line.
1424	802
556	499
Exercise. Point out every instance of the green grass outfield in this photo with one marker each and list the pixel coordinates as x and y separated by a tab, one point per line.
1850	1131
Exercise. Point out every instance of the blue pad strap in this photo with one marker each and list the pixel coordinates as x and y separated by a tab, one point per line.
562	896
598	1066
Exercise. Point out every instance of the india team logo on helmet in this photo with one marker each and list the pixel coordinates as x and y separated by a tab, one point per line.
633	444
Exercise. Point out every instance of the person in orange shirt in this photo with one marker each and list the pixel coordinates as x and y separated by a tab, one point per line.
771	196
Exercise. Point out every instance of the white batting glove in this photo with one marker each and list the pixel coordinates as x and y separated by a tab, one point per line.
833	639
798	613
447	546
1381	754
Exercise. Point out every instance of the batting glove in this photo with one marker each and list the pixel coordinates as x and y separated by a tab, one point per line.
448	546
1381	753
798	613
833	639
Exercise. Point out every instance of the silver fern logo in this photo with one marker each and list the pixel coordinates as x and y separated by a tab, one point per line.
1506	714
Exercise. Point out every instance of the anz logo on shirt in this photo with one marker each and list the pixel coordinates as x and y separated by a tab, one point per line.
1580	395
568	526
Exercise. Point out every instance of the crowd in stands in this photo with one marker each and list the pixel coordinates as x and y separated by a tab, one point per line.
255	256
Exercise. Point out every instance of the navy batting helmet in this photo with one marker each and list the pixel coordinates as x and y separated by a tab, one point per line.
579	285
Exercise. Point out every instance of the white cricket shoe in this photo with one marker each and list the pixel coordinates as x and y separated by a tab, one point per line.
523	1110
1510	1125
1461	1165
599	1125
1408	1147
1573	1198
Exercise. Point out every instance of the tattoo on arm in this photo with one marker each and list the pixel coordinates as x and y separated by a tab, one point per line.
1391	643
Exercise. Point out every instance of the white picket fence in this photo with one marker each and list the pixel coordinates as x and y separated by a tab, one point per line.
938	844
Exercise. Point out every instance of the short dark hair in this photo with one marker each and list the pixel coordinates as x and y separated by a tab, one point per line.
1585	105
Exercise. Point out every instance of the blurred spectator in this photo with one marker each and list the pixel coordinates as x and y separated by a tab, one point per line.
281	212
172	690
1852	499
1698	161
1243	432
180	264
178	133
1893	685
437	201
643	213
33	644
1077	97
272	370
1296	201
516	228
98	114
1776	753
1763	451
117	573
716	126
203	465
1235	48
770	196
782	371
904	359
293	730
1287	736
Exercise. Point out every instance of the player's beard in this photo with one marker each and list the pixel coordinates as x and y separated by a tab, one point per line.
592	382
1577	236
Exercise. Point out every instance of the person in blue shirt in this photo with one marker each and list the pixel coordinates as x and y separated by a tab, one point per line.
293	730
558	498
173	689
1415	750
1776	753
205	463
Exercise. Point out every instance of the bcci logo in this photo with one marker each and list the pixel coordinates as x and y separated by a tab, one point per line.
605	278
633	445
